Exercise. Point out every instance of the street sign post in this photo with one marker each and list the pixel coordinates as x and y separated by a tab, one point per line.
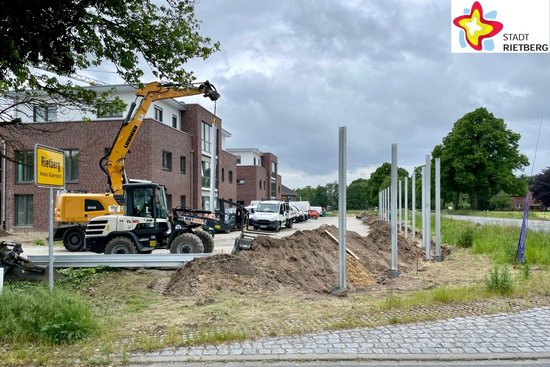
49	172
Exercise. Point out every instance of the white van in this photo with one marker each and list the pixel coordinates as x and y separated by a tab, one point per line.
271	214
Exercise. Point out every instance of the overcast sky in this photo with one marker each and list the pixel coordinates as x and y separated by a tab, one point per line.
291	72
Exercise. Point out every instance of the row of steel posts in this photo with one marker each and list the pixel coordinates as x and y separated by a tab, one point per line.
390	201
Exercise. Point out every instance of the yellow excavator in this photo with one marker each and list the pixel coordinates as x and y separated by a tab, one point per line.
73	211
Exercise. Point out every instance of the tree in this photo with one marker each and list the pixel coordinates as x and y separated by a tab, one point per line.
500	201
541	187
332	195
479	157
357	194
375	182
68	35
306	193
320	196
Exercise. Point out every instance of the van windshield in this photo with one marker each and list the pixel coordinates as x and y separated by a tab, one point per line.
268	208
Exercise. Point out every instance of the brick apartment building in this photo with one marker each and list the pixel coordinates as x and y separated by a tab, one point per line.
257	175
173	147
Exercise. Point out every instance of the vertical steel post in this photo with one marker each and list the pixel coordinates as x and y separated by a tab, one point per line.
428	206
212	198
342	208
380	207
424	209
50	241
413	205
438	256
388	194
406	206
399	221
393	273
383	205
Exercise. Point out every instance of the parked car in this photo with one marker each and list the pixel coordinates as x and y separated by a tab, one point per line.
313	214
271	214
300	214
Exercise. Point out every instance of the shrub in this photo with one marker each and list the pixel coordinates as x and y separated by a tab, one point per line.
499	281
466	238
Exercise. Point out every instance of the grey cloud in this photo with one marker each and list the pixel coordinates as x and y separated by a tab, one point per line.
291	72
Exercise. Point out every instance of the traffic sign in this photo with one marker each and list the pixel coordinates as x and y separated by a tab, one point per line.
49	166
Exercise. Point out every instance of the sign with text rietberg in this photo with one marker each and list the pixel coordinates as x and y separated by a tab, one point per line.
49	166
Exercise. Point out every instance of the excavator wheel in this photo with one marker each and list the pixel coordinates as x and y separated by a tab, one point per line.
186	243
120	245
73	239
206	239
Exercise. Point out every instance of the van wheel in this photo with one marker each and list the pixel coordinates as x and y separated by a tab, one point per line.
120	246
206	239
73	239
278	227
289	223
186	243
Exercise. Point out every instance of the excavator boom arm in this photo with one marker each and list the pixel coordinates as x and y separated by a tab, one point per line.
114	165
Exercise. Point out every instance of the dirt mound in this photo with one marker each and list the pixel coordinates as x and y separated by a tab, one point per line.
306	261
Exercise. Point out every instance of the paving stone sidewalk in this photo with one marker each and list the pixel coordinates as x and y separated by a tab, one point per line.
519	335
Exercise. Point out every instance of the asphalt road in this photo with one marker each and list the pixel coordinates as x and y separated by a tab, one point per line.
535	225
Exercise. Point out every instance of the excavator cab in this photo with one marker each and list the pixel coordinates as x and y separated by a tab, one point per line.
145	200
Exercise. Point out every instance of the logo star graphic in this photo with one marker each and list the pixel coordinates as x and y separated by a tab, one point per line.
476	27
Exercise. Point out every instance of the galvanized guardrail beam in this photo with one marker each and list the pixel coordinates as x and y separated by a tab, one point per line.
173	261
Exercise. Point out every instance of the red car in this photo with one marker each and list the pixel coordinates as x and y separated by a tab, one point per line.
313	214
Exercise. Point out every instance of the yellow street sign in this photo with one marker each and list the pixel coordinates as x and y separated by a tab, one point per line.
49	166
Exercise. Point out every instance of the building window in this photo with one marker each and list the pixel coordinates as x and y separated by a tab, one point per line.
230	176
273	170
240	181
206	142
205	174
254	160
158	113
238	159
71	165
24	210
183	200
166	160
104	114
182	164
205	202
260	184
273	189
169	201
223	175
24	169
44	113
174	121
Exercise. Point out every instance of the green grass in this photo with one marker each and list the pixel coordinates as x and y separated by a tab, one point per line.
438	295
498	242
33	314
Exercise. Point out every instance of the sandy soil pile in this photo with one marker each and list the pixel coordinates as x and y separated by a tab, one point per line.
306	261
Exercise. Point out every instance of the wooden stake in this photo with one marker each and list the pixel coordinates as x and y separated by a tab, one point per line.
347	249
